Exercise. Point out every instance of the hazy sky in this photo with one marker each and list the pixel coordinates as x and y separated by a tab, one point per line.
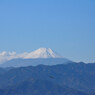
66	26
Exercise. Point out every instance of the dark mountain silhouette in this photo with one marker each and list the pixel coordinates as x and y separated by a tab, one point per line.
78	76
39	87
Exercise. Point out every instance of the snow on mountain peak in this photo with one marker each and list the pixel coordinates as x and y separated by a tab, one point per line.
43	53
39	53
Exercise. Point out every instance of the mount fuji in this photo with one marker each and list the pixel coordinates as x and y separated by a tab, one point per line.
43	53
45	56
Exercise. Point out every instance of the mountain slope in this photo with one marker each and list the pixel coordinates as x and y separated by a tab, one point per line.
78	76
39	87
34	62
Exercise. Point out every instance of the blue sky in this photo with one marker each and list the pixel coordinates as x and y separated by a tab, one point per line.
66	26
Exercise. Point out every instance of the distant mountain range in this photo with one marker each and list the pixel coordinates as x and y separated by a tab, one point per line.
63	79
44	56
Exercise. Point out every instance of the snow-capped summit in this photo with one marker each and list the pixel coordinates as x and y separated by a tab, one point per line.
39	53
43	53
45	56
